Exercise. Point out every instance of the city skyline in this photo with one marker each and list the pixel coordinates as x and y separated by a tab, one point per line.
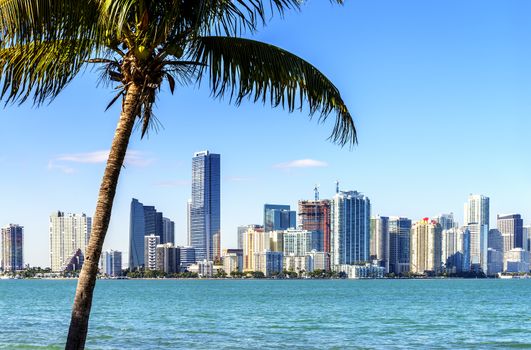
465	89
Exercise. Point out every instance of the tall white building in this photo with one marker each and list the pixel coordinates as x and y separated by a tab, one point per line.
379	242
477	220
297	242
68	233
349	228
150	251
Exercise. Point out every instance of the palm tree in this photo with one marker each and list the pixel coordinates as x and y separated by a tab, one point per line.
139	45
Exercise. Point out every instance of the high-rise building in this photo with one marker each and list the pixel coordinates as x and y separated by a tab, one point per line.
168	231
233	260
516	260
68	233
144	221
399	242
379	241
279	217
189	223
150	251
298	242
255	241
318	261
495	240
349	228
167	258
241	232
477	220
425	247
456	249
206	205
269	262
314	215
527	236
446	221
187	257
511	227
494	261
112	263
12	241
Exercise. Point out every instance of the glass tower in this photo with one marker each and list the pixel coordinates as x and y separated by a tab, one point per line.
278	217
205	206
350	228
144	221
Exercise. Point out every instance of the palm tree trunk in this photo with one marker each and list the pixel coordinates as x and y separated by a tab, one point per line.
77	333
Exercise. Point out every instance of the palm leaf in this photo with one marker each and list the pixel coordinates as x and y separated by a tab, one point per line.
243	68
24	21
40	68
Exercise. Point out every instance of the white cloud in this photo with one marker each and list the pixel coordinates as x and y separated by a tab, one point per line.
62	168
301	163
133	158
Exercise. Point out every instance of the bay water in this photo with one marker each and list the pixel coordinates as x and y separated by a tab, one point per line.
273	314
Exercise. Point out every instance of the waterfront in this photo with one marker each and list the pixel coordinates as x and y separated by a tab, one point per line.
245	314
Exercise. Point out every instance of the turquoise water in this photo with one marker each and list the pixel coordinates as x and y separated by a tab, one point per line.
257	314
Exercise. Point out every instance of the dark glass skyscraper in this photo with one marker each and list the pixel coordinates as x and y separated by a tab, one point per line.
144	221
279	217
206	205
399	244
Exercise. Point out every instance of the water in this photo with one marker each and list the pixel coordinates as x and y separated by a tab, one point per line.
256	314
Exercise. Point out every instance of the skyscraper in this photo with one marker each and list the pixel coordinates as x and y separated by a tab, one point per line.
456	249
399	243
206	205
168	231
379	241
527	237
255	241
150	251
314	215
189	223
446	221
349	228
167	258
11	244
145	220
112	263
241	232
425	247
477	220
511	227
279	217
68	234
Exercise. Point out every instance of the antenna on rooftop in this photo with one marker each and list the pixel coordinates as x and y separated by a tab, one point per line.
337	186
316	191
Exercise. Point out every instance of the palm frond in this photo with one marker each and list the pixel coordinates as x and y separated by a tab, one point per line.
243	68
41	69
23	21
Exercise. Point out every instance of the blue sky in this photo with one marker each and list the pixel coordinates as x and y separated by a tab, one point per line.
440	91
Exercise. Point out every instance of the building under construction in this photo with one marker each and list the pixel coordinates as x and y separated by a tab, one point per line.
314	215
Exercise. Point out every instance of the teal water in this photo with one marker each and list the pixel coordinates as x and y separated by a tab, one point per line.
257	314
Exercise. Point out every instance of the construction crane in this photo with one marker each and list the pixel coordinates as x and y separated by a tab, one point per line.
316	192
